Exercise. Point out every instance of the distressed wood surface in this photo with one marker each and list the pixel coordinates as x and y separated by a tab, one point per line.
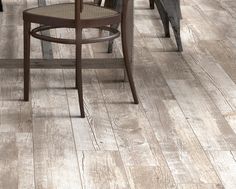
181	136
16	140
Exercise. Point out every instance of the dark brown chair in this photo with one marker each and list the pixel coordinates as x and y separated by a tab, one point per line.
76	15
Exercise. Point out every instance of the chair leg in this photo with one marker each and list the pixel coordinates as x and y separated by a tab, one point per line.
151	2
110	44
1	8
164	17
78	69
127	62
176	28
26	60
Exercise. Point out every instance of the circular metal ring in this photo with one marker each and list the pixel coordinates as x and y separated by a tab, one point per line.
113	34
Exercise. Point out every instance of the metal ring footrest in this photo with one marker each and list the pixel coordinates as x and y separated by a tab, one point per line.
113	34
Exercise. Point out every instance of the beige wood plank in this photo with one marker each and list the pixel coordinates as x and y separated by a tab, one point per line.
215	81
103	169
209	125
148	177
225	54
225	164
179	144
135	138
16	161
16	145
200	186
137	143
55	157
95	132
185	156
15	115
198	108
128	121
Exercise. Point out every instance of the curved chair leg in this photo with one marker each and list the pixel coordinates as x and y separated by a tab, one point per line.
78	69
26	60
127	62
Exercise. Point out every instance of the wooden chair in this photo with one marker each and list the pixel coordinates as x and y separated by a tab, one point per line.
76	15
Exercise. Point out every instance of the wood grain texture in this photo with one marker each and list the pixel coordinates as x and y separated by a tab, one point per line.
95	132
135	138
16	160
54	149
180	136
224	162
103	169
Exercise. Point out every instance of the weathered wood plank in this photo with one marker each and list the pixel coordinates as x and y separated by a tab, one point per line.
136	141
200	186
16	160
95	132
54	148
183	152
225	164
202	114
142	177
103	169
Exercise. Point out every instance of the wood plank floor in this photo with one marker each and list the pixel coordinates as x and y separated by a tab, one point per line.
182	135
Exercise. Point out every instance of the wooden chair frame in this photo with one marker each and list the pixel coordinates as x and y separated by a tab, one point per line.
78	24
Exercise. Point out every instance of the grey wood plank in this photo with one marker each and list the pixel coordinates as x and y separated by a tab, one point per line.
172	130
95	132
224	162
16	160
148	177
103	169
200	186
193	99
16	143
203	82
55	157
136	141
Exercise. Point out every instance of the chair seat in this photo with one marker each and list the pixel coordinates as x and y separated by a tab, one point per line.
64	14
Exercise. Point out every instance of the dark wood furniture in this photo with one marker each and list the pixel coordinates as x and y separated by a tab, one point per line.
112	4
1	9
78	15
170	12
